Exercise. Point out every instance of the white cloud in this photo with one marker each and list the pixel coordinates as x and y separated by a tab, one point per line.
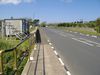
67	1
14	1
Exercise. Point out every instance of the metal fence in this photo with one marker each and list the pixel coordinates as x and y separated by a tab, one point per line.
12	60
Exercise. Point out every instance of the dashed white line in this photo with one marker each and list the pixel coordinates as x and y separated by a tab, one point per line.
31	58
90	41
55	52
68	73
94	36
50	43
35	47
52	47
61	61
83	42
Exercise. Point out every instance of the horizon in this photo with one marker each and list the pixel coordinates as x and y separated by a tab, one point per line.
51	11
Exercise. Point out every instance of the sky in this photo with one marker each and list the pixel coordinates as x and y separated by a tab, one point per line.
51	11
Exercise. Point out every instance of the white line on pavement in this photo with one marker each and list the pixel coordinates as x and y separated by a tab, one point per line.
68	73
35	47
55	52
83	42
90	41
50	43
31	58
94	36
52	47
61	61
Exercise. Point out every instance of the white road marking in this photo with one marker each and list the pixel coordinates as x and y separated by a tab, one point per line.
68	73
55	52
94	36
52	47
87	35
61	61
50	43
31	58
83	42
90	41
35	47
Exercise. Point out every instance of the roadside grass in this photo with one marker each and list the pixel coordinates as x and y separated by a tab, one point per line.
83	30
8	58
8	43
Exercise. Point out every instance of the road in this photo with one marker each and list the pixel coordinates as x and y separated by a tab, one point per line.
81	54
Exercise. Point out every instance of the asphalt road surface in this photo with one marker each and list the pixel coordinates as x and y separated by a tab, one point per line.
81	54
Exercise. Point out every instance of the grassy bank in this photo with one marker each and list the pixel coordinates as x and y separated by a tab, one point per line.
8	58
8	43
83	30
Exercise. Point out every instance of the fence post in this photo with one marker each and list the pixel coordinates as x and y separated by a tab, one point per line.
1	62
15	61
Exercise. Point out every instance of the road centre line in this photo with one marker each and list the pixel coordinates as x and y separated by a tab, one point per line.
83	42
94	36
90	41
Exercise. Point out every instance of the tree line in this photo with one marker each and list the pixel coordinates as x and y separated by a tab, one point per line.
91	24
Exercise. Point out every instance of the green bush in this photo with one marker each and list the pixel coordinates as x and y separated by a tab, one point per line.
97	29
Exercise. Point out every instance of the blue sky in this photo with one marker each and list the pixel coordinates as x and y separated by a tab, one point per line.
51	10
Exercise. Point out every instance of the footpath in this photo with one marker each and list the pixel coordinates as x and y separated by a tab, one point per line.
43	60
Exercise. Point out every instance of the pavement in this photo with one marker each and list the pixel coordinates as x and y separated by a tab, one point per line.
79	53
43	60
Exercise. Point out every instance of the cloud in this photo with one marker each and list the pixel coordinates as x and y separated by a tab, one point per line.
15	2
67	1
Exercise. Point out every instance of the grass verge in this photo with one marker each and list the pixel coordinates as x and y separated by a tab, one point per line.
89	31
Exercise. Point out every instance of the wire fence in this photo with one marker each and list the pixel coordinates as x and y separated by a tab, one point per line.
12	60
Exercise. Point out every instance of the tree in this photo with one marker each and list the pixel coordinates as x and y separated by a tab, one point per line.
98	21
30	21
43	24
36	22
98	25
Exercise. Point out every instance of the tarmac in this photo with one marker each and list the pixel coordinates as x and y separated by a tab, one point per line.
43	60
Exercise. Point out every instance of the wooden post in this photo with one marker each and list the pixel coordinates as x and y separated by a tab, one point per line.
1	62
15	61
